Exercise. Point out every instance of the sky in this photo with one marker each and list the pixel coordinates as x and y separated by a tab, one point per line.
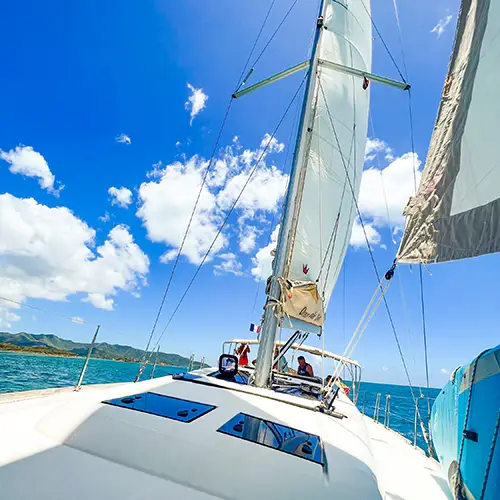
109	114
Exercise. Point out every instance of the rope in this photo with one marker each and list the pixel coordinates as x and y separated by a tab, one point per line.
384	44
396	13
274	34
181	247
391	321
22	304
160	309
240	79
228	214
490	456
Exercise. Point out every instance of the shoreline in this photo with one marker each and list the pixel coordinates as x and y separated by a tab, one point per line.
28	352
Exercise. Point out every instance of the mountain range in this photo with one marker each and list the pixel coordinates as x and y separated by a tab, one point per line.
101	350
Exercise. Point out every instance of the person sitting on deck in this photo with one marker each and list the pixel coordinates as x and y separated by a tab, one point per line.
242	351
304	368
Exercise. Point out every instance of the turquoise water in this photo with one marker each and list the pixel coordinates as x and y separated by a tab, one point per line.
26	372
23	372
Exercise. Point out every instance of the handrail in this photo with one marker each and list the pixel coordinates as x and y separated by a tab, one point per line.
388	412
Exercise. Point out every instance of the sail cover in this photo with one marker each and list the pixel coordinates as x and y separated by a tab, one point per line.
337	126
456	212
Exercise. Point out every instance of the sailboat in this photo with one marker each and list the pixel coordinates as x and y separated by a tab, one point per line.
246	432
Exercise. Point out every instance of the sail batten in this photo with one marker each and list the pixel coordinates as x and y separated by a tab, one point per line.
456	211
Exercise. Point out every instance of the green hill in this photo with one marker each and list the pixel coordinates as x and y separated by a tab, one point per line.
52	344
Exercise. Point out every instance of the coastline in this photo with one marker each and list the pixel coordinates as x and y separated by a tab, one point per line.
34	351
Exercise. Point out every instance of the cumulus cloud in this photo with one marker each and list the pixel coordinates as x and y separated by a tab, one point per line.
374	147
120	196
384	192
263	260
228	264
444	371
26	161
196	102
49	253
123	139
440	27
248	235
358	239
167	200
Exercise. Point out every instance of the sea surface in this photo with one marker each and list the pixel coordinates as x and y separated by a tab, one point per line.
25	372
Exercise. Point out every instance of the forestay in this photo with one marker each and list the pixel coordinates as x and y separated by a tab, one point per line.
338	120
456	212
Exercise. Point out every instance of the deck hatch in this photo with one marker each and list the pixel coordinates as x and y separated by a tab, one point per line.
161	405
274	435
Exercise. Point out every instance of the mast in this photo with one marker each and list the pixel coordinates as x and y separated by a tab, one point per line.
271	319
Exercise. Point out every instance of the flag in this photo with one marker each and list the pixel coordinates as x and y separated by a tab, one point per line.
254	328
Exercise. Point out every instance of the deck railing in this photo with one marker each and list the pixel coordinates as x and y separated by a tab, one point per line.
405	419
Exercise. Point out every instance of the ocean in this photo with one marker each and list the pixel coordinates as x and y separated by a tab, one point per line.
25	372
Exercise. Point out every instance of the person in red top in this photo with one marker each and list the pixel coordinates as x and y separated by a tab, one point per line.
242	352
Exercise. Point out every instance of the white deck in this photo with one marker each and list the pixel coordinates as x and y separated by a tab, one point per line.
67	445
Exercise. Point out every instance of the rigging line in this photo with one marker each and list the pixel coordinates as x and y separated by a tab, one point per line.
384	44
272	228
22	304
422	302
240	79
233	206
382	182
179	252
275	33
396	12
391	321
424	330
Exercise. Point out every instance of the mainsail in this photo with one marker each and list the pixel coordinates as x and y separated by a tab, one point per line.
456	211
330	162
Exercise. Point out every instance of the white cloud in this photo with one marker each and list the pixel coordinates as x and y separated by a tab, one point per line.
120	196
263	259
167	200
248	235
105	218
26	161
123	139
49	253
178	144
392	185
441	25
166	207
358	239
444	371
385	369
77	319
271	143
229	264
196	101
376	146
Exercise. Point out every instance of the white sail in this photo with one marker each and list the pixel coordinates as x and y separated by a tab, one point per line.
338	119
456	212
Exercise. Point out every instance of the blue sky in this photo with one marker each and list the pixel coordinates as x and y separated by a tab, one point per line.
76	77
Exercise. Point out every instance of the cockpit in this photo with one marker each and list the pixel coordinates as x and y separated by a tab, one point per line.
286	379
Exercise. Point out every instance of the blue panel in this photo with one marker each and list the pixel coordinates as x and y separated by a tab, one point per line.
448	425
277	436
163	406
